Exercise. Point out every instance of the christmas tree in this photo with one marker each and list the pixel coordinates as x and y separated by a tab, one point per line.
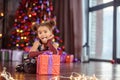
28	12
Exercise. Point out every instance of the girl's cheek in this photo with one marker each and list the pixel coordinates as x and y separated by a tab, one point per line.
39	36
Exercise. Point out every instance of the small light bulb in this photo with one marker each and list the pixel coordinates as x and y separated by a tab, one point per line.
21	37
17	44
0	35
26	44
18	30
25	38
2	14
30	15
42	21
21	31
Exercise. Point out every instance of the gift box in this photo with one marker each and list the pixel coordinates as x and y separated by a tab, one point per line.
48	64
17	55
5	54
63	57
10	55
69	58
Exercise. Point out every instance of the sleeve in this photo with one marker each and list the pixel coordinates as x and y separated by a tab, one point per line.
34	53
51	47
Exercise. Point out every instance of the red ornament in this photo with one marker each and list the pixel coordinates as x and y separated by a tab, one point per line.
17	12
56	37
63	47
51	8
28	33
60	52
112	61
39	6
23	2
22	26
17	41
26	40
61	41
13	32
23	21
22	45
23	14
29	24
27	49
15	24
34	14
9	45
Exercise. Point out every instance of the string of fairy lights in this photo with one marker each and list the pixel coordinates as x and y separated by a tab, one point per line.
73	76
6	74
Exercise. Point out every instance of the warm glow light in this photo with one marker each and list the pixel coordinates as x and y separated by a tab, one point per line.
33	23
68	56
25	37
53	40
30	15
17	44
42	21
22	37
76	77
18	30
57	45
6	74
2	14
15	20
20	16
0	35
21	31
33	4
26	44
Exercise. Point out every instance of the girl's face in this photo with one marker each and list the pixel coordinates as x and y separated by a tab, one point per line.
44	33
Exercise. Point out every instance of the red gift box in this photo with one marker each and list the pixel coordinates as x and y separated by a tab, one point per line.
69	58
48	64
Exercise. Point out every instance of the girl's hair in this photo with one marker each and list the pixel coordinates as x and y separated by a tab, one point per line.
50	24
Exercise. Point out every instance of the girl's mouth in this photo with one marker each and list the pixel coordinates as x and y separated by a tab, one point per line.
44	38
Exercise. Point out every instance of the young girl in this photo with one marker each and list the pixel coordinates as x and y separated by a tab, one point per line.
45	39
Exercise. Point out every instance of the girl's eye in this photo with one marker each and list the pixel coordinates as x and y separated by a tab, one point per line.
45	31
39	32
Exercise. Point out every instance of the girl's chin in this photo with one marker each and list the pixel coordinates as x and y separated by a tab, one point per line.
44	42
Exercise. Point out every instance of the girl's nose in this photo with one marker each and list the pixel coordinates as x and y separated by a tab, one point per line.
43	34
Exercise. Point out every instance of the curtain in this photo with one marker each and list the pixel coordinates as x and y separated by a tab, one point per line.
69	22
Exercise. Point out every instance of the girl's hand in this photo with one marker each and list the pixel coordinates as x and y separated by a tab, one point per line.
45	40
37	43
35	46
51	37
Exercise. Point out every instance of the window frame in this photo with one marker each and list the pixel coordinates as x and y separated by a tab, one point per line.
115	4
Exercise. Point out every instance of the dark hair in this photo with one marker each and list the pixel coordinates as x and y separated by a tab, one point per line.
50	24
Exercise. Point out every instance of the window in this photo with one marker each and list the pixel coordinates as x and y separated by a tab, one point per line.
101	33
118	32
104	26
93	3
